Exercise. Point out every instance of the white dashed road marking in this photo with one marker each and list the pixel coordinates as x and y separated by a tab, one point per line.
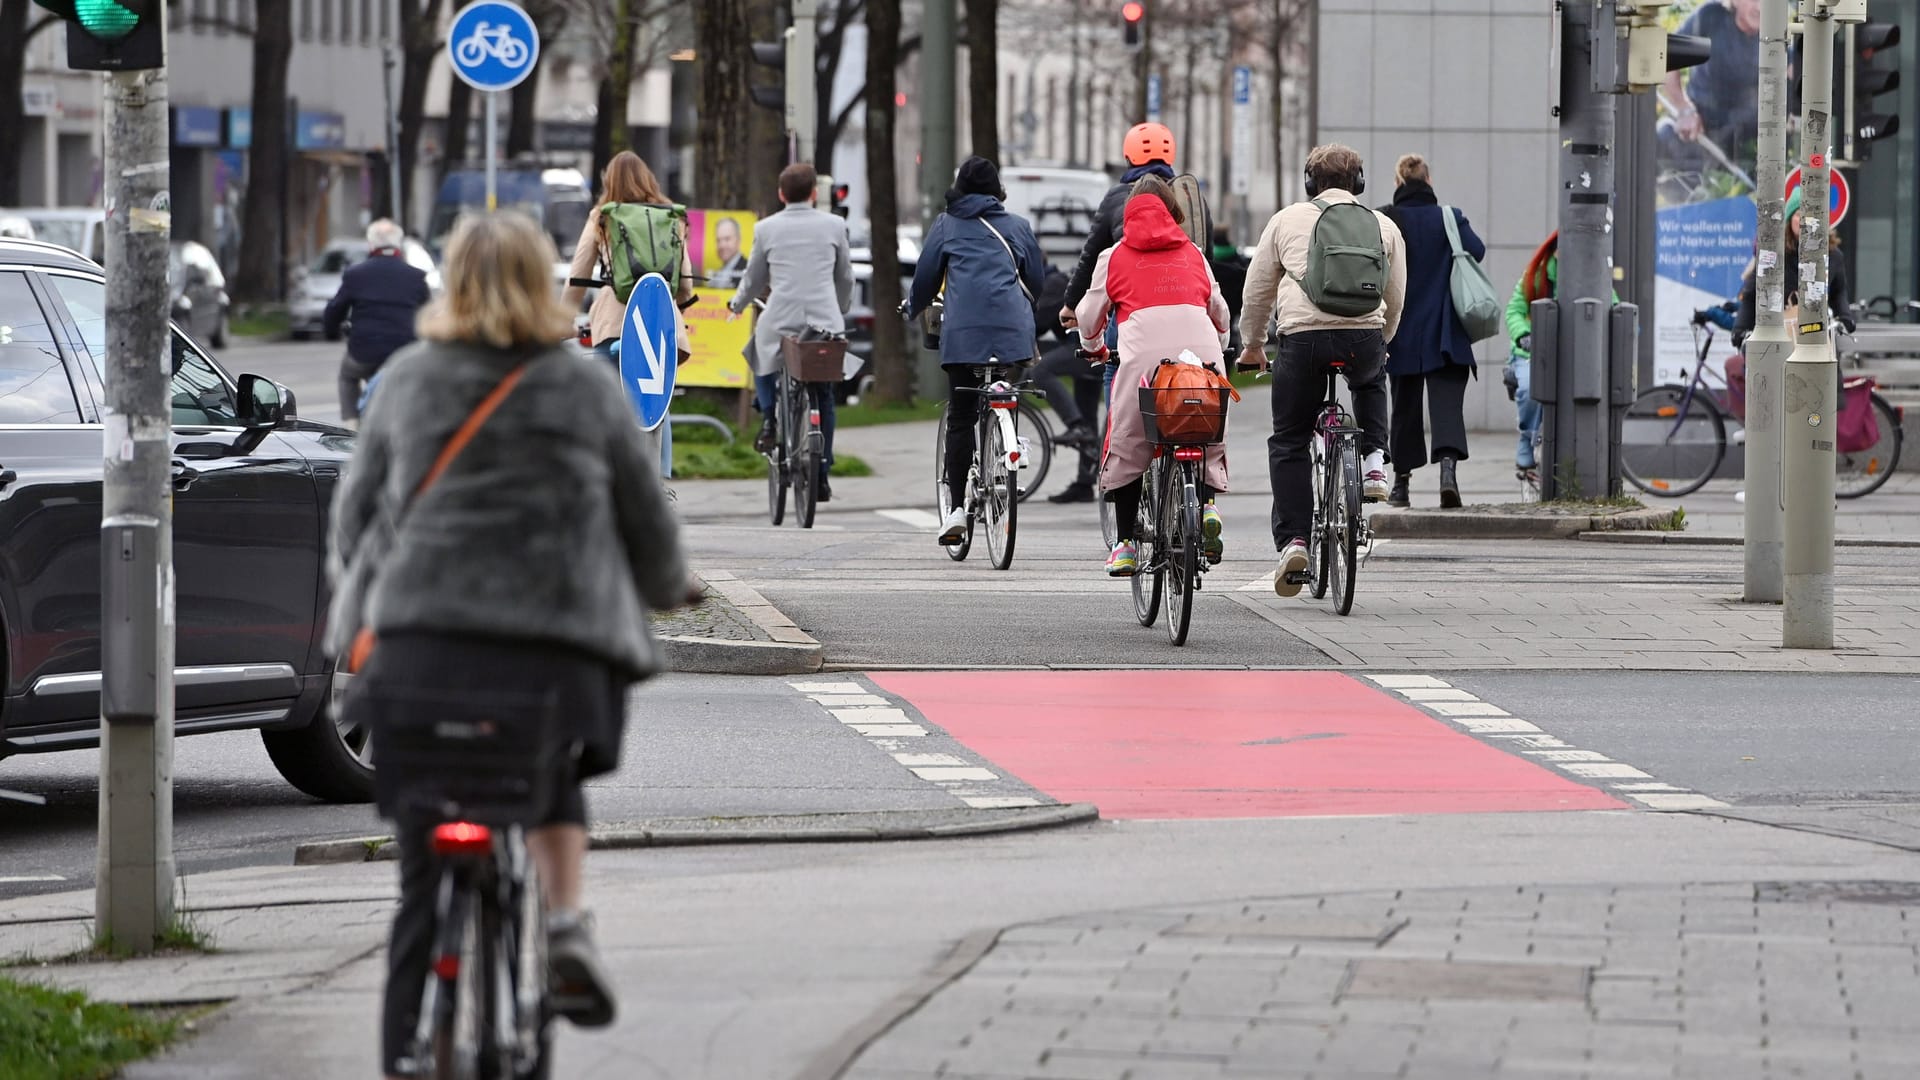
888	727
919	519
1464	710
26	879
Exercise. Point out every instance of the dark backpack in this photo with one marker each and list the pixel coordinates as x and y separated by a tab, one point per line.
642	239
1346	261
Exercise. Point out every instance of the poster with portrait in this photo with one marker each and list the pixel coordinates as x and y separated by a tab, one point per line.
1709	129
721	241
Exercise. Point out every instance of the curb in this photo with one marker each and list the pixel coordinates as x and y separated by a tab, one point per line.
792	651
831	828
1479	524
1703	539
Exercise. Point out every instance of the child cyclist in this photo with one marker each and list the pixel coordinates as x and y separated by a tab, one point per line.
1157	285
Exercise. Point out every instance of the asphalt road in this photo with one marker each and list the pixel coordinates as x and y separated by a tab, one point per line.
308	368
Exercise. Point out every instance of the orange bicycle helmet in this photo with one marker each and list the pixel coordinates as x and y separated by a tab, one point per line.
1148	143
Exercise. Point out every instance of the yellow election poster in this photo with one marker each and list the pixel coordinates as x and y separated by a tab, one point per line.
722	241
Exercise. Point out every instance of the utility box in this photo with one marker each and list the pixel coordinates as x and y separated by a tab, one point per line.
131	597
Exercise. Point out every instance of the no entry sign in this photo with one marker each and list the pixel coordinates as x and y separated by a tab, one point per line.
1839	195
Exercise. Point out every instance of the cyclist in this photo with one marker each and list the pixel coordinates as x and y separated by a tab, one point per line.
1160	291
1149	149
1839	296
1312	339
803	265
992	268
526	569
381	294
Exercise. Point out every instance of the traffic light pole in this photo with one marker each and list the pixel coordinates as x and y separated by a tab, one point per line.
803	119
133	892
1810	388
937	65
1767	348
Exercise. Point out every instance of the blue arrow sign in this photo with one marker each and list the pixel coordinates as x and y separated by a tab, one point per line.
649	350
1243	85
492	44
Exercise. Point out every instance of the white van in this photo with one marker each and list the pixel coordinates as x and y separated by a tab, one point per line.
1060	204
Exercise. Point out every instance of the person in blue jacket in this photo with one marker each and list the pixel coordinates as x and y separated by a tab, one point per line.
1432	355
990	267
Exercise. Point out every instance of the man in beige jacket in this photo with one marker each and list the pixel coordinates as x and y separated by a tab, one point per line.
1311	342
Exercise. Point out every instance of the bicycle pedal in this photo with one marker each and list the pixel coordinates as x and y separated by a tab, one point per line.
1300	577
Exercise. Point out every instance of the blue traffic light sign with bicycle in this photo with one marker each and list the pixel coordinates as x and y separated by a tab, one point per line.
493	44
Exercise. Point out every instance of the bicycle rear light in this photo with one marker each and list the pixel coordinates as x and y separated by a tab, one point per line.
447	967
462	838
1189	453
1010	403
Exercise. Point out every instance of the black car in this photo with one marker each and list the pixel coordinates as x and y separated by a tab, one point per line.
252	486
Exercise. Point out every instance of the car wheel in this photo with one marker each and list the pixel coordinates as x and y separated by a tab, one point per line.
301	335
325	759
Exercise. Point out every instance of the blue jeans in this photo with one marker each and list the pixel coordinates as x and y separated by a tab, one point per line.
766	390
1528	410
664	433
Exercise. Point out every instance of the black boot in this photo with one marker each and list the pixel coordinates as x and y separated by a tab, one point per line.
1400	496
1076	436
825	492
1076	492
1449	485
768	437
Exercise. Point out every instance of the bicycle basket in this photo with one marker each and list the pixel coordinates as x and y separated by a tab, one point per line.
489	759
1858	428
814	361
1184	415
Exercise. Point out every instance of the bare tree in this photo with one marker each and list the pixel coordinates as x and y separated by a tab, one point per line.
983	76
891	384
262	214
736	149
419	47
459	125
549	19
15	36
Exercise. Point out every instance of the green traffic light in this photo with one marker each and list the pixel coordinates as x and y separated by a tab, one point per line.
106	19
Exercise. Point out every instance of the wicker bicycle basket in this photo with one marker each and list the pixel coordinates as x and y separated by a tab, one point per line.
814	361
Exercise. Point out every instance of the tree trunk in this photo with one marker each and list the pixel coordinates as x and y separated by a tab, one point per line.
722	36
892	382
520	124
983	77
420	46
619	84
263	216
13	113
459	119
826	72
602	132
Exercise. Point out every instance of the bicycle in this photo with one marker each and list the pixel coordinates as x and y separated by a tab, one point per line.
1673	438
1340	529
1167	528
794	460
999	453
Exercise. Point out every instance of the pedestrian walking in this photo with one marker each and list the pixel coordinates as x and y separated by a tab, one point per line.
1157	286
990	268
503	532
1230	270
1431	360
1335	279
380	296
802	267
636	225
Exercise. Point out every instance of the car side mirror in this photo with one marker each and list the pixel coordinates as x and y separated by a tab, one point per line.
263	406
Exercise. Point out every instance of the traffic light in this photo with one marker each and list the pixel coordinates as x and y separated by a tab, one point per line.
1865	80
771	54
111	35
838	198
1650	51
1132	14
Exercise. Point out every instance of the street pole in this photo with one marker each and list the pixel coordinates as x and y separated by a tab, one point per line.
492	141
1578	433
1767	348
133	890
937	65
394	202
1810	387
802	106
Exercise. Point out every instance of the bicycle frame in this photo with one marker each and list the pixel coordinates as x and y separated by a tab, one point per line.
1337	442
999	401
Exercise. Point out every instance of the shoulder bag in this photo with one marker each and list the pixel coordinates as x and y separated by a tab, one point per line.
1474	301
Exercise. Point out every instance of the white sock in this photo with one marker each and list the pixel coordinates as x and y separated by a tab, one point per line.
1375	462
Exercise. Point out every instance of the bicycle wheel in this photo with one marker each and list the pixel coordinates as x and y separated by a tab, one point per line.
1319	551
1345	544
1863	471
1109	533
1037	455
1182	514
1670	444
458	1002
942	497
533	1015
1146	580
776	488
804	457
999	493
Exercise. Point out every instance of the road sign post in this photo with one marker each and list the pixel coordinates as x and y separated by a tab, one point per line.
1766	349
649	350
1241	159
493	46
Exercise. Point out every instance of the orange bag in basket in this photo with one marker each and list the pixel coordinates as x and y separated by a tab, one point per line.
1189	403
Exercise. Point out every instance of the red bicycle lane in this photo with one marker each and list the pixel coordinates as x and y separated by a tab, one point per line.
1229	744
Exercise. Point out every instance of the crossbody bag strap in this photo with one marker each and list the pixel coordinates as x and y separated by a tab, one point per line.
1017	279
1453	231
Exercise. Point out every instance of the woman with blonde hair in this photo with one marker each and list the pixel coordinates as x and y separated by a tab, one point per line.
501	534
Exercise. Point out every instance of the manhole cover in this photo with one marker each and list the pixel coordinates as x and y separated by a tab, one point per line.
1305	927
1859	892
1382	977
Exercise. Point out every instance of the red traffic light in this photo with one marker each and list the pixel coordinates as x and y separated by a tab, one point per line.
1133	12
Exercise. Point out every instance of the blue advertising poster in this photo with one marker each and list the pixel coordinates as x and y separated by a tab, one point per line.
1701	251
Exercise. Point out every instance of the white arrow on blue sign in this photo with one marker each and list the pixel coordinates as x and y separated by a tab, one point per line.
493	44
649	349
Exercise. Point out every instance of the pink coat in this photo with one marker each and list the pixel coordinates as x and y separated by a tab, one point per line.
1160	288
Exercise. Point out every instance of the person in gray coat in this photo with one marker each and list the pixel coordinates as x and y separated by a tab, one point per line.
803	268
501	572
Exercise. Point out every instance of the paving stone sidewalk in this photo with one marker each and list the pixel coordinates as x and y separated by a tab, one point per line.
1750	980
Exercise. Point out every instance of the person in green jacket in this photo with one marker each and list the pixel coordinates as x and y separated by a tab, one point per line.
1540	280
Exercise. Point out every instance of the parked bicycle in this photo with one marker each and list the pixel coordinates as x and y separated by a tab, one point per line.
1000	452
1167	530
1673	438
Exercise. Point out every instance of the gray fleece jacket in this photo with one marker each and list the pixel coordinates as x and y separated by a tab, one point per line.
551	526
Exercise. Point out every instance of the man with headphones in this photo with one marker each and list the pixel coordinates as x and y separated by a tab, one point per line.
1312	338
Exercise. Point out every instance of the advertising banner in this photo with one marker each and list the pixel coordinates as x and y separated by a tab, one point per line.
721	241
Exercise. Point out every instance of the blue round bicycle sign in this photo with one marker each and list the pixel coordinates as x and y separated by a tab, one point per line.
492	44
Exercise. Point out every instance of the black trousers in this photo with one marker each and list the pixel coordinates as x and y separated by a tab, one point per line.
1082	405
1299	388
963	412
1445	391
353	383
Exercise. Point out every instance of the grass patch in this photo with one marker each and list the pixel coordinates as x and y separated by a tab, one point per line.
61	1035
259	322
1618	502
867	414
1674	522
738	461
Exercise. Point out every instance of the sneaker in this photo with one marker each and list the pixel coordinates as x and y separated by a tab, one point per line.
577	984
1211	528
1740	497
1293	560
1402	495
1374	488
764	442
1075	492
953	528
1124	560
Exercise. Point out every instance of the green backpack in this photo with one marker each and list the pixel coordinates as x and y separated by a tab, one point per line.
642	239
1346	261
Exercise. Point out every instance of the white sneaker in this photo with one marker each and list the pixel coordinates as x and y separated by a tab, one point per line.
1375	462
1740	497
1293	560
1374	488
953	528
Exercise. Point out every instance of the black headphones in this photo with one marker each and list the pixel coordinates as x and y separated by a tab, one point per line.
1359	183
